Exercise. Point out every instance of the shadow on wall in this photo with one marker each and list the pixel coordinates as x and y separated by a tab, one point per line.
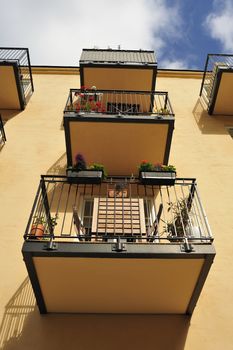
24	328
8	114
211	124
59	167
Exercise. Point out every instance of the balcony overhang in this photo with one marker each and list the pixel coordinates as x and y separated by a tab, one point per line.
11	95
221	102
125	253
120	143
16	84
217	84
145	278
118	69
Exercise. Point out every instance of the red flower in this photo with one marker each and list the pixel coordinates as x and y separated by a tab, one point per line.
144	161
91	98
98	104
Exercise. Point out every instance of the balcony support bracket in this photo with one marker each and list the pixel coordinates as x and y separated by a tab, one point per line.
186	247
119	246
51	246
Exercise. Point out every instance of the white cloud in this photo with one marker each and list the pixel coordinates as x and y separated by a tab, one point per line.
56	30
174	64
219	23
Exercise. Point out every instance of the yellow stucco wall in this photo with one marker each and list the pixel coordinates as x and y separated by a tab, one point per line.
201	148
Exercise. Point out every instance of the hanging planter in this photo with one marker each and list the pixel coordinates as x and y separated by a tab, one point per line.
87	176
157	175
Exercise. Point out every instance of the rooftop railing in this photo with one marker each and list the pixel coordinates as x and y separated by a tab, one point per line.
118	208
120	103
21	57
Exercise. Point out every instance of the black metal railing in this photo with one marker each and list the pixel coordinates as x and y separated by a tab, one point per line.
118	207
118	102
2	132
22	58
213	63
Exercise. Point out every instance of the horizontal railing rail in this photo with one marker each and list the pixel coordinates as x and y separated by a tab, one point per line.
118	102
118	208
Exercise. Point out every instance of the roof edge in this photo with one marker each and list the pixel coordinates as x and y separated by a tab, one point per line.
165	73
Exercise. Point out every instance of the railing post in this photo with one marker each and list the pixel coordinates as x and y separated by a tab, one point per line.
30	70
203	79
71	98
2	129
165	100
46	206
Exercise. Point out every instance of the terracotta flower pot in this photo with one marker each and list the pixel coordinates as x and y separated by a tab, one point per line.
37	230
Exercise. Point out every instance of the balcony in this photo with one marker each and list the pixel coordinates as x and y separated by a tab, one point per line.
16	82
150	246
119	103
217	84
118	69
134	125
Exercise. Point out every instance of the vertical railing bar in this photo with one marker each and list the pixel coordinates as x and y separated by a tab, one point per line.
47	207
130	205
203	214
66	205
97	226
156	213
197	213
75	205
189	210
180	212
172	214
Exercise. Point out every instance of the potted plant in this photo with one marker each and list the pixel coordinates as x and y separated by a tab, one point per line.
157	174
80	173
38	225
88	100
180	219
99	167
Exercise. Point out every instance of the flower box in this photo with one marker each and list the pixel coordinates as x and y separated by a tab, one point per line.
158	177
87	176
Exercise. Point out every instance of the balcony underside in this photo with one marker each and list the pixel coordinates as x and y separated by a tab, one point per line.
87	278
118	143
118	247
11	95
221	102
217	82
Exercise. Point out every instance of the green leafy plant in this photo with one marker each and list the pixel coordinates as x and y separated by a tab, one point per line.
99	167
180	213
171	168
164	111
146	166
38	220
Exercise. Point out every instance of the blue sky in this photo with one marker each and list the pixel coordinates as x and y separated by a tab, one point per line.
181	32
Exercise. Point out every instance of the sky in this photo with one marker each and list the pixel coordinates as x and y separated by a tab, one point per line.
181	32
